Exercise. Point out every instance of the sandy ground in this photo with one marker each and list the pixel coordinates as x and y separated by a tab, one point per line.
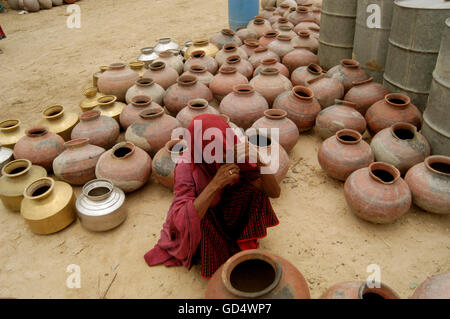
44	63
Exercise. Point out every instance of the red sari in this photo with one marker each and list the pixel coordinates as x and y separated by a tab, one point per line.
2	34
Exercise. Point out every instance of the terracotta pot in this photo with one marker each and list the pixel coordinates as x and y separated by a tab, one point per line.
187	88
347	73
250	46
365	93
230	49
302	13
101	130
243	66
303	74
146	86
272	63
282	21
163	75
377	193
299	57
117	80
108	105
200	58
301	106
138	66
164	162
283	9
90	100
194	108
309	25
326	90
287	31
270	83
260	54
202	45
130	113
394	108
125	165
224	81
268	11
306	40
76	165
259	25
256	273
429	183
244	106
10	132
434	287
31	5
39	146
59	121
341	115
97	74
201	73
268	37
223	37
344	153
359	290
152	131
175	61
246	34
281	46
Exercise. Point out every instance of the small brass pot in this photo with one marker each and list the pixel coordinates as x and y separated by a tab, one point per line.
201	45
59	121
10	132
108	105
91	95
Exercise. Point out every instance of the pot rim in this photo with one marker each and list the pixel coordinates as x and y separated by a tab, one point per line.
147	50
314	68
198	54
437	159
203	104
53	112
106	100
348	132
391	169
9	125
302	9
350	63
243	89
136	65
170	144
304	33
97	183
233	59
187	80
405	126
303	89
230	47
36	131
125	144
384	291
269	61
90	115
197	68
275	114
271	71
260	49
31	188
251	43
258	20
166	54
362	82
157	65
145	82
284	37
77	142
397	96
21	162
227	70
201	42
227	32
165	40
271	34
151	113
90	91
117	66
144	99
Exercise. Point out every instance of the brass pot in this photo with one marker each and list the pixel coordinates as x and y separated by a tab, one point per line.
48	206
16	176
59	121
10	133
138	66
90	101
109	106
201	45
97	74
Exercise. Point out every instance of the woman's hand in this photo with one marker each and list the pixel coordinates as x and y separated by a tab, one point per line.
227	174
246	151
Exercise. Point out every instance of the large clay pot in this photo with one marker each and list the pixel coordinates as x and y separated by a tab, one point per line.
90	100
171	59
359	290
302	13
301	106
45	4
283	10
377	193
268	11
250	46
108	105
394	108
347	73
187	88
31	5
268	37
281	46
400	145
224	37
194	108
201	73
163	75
307	25
13	4
138	66
164	161
429	183
146	86
243	66
260	54
59	121
299	57
259	25
303	74
57	2
282	21
10	132
76	165
287	31
230	49
256	273
246	34
125	165
434	287
201	45
272	63
97	74
224	81
117	80
270	83
326	90
101	130
342	115
344	153
200	58
306	40
365	93
39	146
130	113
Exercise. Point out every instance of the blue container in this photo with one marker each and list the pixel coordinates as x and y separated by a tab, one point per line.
240	12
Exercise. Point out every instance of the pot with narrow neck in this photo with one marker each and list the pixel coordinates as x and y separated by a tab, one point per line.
347	72
298	57
165	44
365	93
270	83
199	57
230	49
90	100
194	108
117	80
201	73
138	66
202	45
146	86
223	37
223	82
272	63
130	113
327	90
163	165
303	74
59	121
359	290
108	105
161	74
174	60
10	132
147	55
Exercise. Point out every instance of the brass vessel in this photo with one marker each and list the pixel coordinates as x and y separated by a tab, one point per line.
109	106
59	121
91	95
201	45
48	206
10	132
16	176
138	66
96	75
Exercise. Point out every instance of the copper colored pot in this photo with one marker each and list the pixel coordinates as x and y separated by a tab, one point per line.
117	80
270	83
224	81
434	287
146	86
282	45
223	37
200	58
250	46
359	290
230	49
282	21
201	73
365	93
299	57
309	25
246	34
260	54
306	40
268	37
172	59
272	63
165	160
130	113
162	74
302	13
347	72
303	74
260	25
243	66
326	90
194	108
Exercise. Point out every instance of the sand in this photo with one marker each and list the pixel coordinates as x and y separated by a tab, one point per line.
44	63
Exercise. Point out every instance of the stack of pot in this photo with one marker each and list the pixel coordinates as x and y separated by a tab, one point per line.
36	5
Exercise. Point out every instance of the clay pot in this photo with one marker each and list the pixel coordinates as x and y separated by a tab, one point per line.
90	100
200	58
244	106
256	273
76	165
394	108
243	66
164	162
31	5
303	74
268	11
302	13
13	4
287	31
201	45
347	73
224	81
224	37
306	40
246	34
57	2
259	25
288	131
230	49
175	61
377	193
138	66
108	105
344	153
250	46
326	90
309	25
201	73
282	21
359	290
299	57
341	115
148	87
429	183
117	80
130	113
270	83
260	54
268	37
365	93
152	131
39	146
161	74
10	132
99	129
125	165
283	9
59	121
97	74
187	88
45	4
272	63
400	145
194	108
301	106
281	46
434	287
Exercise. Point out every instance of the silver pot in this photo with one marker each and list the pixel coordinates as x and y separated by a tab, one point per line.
6	156
165	44
99	207
148	55
186	45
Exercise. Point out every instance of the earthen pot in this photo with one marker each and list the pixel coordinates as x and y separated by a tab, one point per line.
306	40
281	46
76	165
288	31
138	66
299	57
130	113
250	46
359	290
347	72
161	74
394	108
10	132
283	9
187	88
272	63
309	25
434	287
230	49
201	73
429	183
39	146
152	131
200	58
148	87
202	45
377	193
303	74
259	25
257	274
341	115
344	153
45	4
365	93
224	37
101	130
302	13
59	121
246	34
270	83
175	61
326	90
108	105
97	74
194	108
282	21
243	66
244	105
224	81
301	106
268	11
163	165
117	80
125	165
31	5
260	54
91	95
268	37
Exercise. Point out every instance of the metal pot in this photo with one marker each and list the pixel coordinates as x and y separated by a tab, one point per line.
165	44
148	55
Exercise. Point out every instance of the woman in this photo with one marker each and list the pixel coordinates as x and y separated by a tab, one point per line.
2	36
218	209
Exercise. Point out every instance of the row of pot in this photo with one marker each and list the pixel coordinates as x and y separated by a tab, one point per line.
36	5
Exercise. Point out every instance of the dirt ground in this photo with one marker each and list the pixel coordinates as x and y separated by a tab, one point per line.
44	63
